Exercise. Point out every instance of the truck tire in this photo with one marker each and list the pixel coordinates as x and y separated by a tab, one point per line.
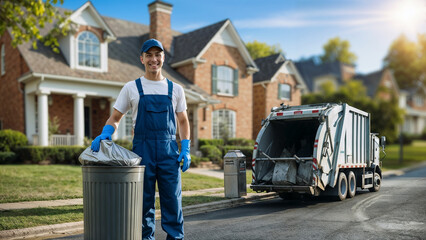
351	184
342	186
377	182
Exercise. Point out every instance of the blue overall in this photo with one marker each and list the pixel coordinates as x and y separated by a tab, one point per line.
155	141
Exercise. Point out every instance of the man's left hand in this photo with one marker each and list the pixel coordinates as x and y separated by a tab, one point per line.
184	153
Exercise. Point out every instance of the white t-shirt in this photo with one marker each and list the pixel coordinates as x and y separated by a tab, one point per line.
128	99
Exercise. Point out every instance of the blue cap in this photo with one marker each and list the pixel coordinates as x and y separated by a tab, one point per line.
151	43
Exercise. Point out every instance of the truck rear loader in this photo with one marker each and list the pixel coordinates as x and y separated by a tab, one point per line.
316	149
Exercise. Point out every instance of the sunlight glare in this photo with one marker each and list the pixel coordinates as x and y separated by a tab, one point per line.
410	15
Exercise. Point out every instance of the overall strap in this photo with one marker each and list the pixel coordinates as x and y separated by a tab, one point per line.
170	92
139	85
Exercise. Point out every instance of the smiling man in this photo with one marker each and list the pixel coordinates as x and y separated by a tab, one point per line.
156	103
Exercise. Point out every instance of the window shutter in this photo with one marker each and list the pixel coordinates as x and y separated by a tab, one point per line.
214	79
235	82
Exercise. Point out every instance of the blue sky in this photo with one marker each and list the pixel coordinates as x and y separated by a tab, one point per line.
299	27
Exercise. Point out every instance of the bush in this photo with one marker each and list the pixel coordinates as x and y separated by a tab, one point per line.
240	142
246	150
211	152
11	139
195	161
124	143
55	155
7	157
214	142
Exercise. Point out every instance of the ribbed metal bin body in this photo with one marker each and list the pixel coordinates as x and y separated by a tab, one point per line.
112	199
235	174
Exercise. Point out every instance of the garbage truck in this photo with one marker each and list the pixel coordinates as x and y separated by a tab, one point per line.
317	149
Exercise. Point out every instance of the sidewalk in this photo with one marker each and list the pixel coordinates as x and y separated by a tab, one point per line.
77	227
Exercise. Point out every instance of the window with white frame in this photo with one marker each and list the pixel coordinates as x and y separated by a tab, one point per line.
418	101
284	91
89	50
128	125
3	60
224	80
224	124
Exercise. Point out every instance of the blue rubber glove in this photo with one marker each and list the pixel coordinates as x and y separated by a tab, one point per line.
106	134
184	153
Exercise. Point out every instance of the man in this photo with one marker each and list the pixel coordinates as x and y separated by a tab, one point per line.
156	103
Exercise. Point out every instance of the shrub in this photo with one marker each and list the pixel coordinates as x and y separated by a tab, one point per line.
240	142
124	143
7	157
246	150
195	161
214	142
56	155
11	139
211	152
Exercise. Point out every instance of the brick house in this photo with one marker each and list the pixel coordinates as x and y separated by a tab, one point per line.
278	81
379	84
100	54
315	74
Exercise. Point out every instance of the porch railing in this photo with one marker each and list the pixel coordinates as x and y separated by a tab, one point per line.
62	139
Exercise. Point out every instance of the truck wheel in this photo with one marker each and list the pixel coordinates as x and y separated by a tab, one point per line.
377	182
342	186
351	184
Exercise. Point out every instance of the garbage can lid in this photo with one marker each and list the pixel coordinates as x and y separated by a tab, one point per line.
234	154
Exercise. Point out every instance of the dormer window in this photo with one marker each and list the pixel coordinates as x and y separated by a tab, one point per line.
88	50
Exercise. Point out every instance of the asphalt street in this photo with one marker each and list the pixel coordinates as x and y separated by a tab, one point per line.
397	211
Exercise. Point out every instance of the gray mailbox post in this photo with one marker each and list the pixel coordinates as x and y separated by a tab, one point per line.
235	174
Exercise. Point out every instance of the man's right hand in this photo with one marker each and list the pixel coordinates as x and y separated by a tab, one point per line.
107	132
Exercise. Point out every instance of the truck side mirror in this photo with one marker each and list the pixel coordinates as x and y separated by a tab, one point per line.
383	141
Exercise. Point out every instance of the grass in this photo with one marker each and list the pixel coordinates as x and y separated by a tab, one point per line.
25	218
412	154
50	182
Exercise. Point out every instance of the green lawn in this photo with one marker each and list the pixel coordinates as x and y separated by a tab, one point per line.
25	218
412	154
50	182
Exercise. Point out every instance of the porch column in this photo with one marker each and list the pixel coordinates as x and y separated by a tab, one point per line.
194	129
30	117
111	109
79	118
43	116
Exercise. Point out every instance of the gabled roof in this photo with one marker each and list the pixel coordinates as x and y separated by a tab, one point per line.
97	17
123	59
271	65
371	81
311	70
268	67
191	46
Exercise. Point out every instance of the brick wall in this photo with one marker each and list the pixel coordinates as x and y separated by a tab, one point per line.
99	116
97	31
259	107
160	28
266	98
219	54
12	110
63	108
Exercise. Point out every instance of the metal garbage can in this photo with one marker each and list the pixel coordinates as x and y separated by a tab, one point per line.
235	174
112	202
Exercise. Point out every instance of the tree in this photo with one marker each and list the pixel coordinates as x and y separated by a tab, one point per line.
26	19
407	59
338	50
261	49
385	115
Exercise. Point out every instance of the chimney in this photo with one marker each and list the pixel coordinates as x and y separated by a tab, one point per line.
159	26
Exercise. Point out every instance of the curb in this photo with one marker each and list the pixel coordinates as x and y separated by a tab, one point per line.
399	172
74	227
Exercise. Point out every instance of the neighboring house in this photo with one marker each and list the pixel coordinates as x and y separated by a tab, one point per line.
379	84
277	81
315	74
79	86
413	101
